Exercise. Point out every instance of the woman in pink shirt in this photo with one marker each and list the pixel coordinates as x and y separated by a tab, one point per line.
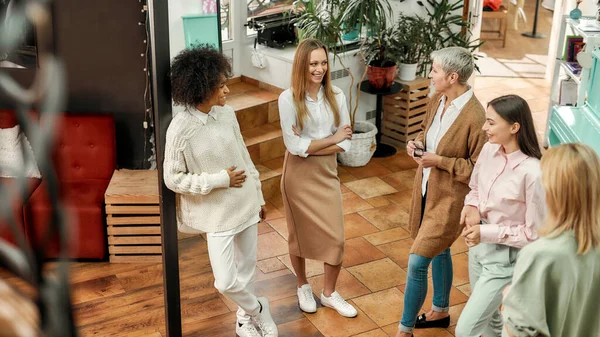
502	211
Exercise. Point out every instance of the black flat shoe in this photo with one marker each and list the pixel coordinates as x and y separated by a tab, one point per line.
423	323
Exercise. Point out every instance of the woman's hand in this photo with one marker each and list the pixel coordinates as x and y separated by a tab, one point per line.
263	213
472	235
469	216
296	131
430	160
343	133
236	178
411	146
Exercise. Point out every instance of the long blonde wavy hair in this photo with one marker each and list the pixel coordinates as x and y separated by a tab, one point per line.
301	79
571	177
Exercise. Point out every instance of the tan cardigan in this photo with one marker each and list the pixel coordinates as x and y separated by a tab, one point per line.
448	182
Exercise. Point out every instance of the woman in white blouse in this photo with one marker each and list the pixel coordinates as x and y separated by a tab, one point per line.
315	125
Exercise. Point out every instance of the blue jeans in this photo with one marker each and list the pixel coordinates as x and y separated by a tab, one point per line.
416	286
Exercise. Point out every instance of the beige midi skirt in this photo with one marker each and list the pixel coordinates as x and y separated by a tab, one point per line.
312	198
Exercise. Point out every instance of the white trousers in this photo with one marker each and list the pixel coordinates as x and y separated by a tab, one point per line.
233	261
490	271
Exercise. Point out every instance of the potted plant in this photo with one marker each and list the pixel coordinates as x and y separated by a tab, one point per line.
409	38
373	16
380	53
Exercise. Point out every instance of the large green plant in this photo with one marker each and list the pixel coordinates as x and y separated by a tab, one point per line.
372	14
410	34
446	28
321	20
381	50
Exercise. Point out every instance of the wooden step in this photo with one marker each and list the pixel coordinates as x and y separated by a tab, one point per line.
257	113
270	181
265	142
253	106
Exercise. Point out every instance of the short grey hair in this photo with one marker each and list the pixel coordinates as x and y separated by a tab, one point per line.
455	60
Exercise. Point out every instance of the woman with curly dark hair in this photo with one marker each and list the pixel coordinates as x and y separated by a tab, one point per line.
206	162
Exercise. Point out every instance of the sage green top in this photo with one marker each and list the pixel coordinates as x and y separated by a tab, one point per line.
554	292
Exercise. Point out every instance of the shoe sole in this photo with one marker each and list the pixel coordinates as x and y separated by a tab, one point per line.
328	306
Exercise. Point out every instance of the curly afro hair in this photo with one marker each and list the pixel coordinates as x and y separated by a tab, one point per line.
196	74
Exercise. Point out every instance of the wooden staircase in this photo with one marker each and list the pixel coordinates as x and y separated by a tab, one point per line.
257	113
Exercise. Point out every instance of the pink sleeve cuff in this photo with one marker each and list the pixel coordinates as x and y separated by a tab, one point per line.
471	200
489	233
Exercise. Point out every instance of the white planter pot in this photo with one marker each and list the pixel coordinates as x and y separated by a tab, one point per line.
363	145
407	72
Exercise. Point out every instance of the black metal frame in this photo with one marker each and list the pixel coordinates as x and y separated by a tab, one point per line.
161	92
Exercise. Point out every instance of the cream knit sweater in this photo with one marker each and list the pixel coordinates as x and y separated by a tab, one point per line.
196	158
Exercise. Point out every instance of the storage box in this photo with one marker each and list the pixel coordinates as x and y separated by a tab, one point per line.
133	217
404	112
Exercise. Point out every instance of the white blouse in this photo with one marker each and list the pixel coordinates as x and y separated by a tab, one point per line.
319	125
440	126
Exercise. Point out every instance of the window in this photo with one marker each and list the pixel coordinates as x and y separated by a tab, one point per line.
226	32
210	7
266	7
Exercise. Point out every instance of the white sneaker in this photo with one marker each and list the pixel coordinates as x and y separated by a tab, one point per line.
246	330
264	320
337	303
306	300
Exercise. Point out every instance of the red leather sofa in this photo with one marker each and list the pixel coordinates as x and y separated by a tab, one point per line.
84	159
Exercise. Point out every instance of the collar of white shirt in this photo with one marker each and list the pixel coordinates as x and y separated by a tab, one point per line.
203	117
319	95
513	159
460	101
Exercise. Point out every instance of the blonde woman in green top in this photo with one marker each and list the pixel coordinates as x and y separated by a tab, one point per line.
556	282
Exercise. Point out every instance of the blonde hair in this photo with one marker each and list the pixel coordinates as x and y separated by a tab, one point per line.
571	177
300	80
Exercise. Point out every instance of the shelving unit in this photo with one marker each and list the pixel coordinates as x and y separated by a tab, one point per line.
592	39
575	78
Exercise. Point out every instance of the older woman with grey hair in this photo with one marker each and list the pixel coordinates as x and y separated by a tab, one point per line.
446	150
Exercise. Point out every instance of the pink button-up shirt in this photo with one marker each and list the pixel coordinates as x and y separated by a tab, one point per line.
507	190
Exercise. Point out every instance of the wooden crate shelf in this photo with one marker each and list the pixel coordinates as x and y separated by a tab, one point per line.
404	112
133	217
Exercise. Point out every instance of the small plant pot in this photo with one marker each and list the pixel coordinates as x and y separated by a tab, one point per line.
363	145
407	72
381	77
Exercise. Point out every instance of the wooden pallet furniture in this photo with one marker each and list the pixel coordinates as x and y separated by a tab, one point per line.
501	15
133	217
403	112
